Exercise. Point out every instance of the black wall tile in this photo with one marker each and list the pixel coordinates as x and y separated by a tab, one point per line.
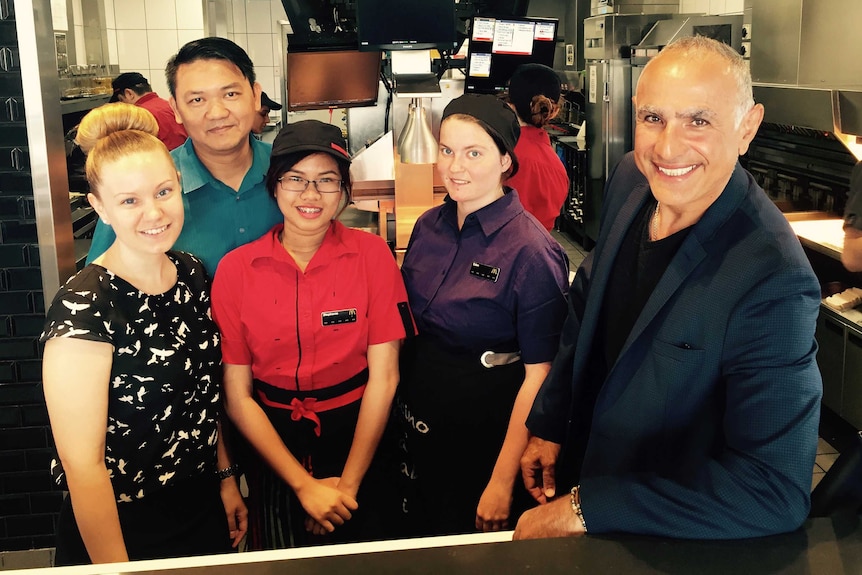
37	302
14	505
26	482
29	525
20	393
10	416
13	255
33	415
23	438
39	459
29	370
27	325
5	326
24	278
27	208
33	255
18	232
46	502
18	347
9	208
12	461
15	302
8	373
17	184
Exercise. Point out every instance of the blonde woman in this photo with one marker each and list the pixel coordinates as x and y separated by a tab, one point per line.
131	369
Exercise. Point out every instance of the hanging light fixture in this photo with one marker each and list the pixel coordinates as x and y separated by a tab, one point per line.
416	144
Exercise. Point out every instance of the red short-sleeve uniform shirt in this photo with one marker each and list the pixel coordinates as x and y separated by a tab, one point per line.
311	330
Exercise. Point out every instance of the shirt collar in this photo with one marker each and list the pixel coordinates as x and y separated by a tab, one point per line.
490	218
335	244
195	175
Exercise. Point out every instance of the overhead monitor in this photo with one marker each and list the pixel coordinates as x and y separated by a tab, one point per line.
499	45
406	24
335	79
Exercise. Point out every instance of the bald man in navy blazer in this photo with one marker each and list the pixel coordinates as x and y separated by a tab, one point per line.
685	397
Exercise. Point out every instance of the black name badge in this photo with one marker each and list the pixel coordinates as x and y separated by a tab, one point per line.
484	271
338	316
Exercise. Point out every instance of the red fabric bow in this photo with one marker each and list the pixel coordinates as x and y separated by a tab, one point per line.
305	408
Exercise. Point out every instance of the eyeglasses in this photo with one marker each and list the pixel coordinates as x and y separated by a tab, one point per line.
297	184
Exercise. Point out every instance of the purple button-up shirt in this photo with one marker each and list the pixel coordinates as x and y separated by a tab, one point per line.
498	284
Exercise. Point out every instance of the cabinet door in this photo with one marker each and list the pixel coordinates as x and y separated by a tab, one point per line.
830	359
851	403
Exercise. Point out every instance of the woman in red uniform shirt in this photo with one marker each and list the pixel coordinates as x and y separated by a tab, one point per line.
541	181
312	315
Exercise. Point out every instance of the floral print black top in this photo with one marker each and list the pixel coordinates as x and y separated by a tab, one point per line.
164	404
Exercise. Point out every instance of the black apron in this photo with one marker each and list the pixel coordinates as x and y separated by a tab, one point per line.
317	427
454	414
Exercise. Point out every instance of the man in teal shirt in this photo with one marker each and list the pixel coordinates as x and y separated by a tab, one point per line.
216	98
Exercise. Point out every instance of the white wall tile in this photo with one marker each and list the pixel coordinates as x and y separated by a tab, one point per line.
241	40
734	6
276	13
185	36
109	14
162	45
161	14
260	49
258	18
113	54
190	15
132	50
265	79
716	6
239	19
130	16
80	45
159	83
694	6
77	13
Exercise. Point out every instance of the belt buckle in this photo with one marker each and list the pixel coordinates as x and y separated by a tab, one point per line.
484	359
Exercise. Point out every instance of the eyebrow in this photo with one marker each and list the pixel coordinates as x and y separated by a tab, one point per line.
685	114
233	86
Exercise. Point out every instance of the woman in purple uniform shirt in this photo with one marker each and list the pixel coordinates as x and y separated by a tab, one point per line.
487	286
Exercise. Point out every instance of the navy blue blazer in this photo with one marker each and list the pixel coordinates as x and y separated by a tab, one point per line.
706	426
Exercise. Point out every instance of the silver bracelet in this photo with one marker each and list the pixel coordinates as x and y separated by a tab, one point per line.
227	472
576	505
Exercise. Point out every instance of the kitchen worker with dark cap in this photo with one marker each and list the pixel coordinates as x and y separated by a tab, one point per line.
312	316
541	181
267	104
133	88
486	283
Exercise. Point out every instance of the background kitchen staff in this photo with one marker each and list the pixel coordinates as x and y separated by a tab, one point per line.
311	315
541	181
133	88
482	275
216	98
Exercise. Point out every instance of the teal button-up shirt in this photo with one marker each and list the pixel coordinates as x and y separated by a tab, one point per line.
218	219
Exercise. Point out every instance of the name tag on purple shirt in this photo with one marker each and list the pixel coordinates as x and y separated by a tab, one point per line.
484	271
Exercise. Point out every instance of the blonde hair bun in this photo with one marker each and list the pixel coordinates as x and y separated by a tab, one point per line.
105	120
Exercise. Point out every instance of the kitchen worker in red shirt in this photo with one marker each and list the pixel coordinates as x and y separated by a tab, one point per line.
541	181
133	88
312	315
